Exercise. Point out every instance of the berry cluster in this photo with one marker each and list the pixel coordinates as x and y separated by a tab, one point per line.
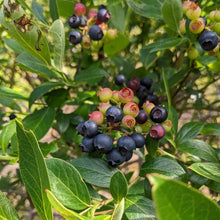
142	88
89	28
125	123
207	36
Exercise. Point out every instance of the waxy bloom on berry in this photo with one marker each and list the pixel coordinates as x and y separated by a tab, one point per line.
131	108
104	94
97	117
128	121
126	95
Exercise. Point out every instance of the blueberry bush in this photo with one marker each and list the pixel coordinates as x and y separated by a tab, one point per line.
110	109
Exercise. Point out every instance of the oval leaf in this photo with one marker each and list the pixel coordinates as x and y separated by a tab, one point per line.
67	184
208	170
118	186
119	210
175	200
7	211
8	93
33	171
94	170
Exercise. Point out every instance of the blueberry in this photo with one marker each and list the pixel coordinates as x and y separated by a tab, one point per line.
74	21
79	128
103	143
139	139
114	157
158	114
142	92
153	98
75	37
208	40
147	82
114	114
12	116
87	145
141	117
205	20
125	144
120	79
96	33
101	7
103	15
157	132
128	155
134	83
83	22
89	128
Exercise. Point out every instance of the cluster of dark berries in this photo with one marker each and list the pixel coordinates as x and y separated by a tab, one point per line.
89	28
119	121
142	88
207	35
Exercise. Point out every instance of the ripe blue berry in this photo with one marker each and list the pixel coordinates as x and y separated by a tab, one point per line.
87	145
101	7
12	116
79	128
134	83
139	139
75	37
89	128
157	132
208	40
120	80
114	114
125	144
153	98
128	155
103	15
83	22
147	82
74	21
103	143
141	117
158	114
96	33
114	157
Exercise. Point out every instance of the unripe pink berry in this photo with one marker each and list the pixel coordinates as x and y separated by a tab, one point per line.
128	121
103	106
79	9
104	94
92	13
197	26
97	117
193	11
185	6
157	132
115	96
131	108
126	95
147	106
167	125
182	26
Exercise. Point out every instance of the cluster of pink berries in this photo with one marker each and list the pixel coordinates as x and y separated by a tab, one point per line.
197	24
91	30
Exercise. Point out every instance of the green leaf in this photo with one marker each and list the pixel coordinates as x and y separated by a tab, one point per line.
54	9
66	213
211	129
8	93
146	56
176	200
47	148
151	145
33	171
67	184
58	35
63	121
13	45
7	211
39	121
117	45
188	131
118	210
163	165
167	43
6	134
32	40
91	75
200	149
95	171
147	8
42	89
38	11
139	208
118	186
172	13
208	170
36	65
10	103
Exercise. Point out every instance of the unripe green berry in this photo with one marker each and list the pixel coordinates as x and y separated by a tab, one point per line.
193	53
147	106
212	15
104	94
185	6
197	26
216	28
217	16
194	11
